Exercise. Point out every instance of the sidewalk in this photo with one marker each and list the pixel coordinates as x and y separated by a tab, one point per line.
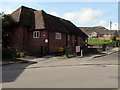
109	52
50	61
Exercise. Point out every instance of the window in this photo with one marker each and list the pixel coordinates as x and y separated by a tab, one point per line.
58	36
36	34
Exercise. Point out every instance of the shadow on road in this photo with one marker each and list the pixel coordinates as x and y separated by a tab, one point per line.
12	71
92	51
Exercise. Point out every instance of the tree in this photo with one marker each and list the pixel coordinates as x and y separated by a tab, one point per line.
113	38
8	24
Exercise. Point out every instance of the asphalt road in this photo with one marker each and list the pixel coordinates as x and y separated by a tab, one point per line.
104	75
112	59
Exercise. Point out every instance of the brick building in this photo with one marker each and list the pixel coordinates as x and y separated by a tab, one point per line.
43	33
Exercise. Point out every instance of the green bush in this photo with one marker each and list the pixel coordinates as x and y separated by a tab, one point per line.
20	54
64	58
113	38
113	44
99	49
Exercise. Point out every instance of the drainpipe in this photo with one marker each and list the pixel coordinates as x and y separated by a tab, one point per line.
48	41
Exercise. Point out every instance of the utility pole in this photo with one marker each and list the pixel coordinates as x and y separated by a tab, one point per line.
111	27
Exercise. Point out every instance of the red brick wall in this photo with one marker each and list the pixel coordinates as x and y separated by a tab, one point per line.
35	44
17	38
69	40
80	41
22	38
54	44
73	40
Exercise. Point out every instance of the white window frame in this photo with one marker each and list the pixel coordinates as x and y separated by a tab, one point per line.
35	34
58	37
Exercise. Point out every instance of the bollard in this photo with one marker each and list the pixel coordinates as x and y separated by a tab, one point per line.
81	53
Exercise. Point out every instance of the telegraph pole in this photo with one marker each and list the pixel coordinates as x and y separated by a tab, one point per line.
111	27
110	31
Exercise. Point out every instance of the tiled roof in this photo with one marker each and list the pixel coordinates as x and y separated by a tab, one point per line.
39	19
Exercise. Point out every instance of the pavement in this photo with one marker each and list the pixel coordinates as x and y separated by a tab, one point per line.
50	61
108	52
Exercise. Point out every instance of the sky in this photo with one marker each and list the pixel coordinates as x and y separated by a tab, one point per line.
82	14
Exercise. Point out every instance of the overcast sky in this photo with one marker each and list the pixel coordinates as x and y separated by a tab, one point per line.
82	14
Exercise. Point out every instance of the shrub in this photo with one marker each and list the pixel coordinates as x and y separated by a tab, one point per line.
113	44
65	57
20	54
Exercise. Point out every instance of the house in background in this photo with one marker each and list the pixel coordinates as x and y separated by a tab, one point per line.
95	32
99	32
43	33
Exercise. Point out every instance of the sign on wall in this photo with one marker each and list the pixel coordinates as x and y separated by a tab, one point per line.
77	48
46	40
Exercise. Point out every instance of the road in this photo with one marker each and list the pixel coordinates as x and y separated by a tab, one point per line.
94	75
106	60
